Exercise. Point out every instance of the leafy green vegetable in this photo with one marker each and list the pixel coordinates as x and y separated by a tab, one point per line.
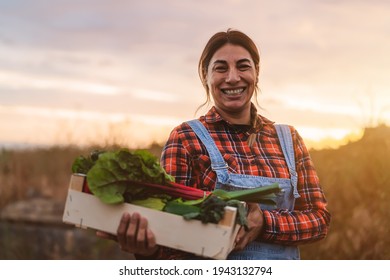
208	210
137	177
156	203
83	164
109	173
179	207
212	209
263	195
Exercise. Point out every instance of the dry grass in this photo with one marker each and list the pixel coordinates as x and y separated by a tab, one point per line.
27	173
356	181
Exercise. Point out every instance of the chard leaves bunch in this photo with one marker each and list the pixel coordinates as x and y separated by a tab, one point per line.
137	177
109	174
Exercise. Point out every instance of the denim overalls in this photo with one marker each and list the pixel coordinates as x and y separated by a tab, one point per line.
229	181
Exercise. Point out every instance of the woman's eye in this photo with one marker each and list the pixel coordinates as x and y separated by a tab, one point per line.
220	69
244	67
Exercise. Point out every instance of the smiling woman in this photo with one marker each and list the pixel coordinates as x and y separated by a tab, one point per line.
231	79
232	147
229	68
250	56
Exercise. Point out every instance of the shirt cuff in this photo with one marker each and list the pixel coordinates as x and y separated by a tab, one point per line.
264	235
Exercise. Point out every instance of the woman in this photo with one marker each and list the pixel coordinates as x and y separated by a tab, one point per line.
232	147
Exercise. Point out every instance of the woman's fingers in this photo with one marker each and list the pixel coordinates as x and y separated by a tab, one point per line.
255	226
140	242
132	231
151	240
133	235
122	230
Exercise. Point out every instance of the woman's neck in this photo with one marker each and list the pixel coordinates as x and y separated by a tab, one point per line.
241	117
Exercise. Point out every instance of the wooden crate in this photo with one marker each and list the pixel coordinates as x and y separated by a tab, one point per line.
208	240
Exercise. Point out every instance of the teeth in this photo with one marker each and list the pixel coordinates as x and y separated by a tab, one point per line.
233	91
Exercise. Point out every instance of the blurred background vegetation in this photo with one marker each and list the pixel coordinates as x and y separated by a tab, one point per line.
34	182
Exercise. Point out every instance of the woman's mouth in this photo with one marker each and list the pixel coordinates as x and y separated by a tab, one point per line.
233	91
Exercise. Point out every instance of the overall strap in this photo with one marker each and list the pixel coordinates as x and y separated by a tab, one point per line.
286	142
218	164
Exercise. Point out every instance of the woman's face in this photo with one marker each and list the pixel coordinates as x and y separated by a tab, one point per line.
231	78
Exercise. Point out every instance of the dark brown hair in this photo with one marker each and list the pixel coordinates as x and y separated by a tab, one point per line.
217	41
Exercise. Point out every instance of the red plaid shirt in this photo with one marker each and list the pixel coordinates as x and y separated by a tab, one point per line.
186	158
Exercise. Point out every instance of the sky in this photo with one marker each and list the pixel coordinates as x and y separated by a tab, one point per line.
125	72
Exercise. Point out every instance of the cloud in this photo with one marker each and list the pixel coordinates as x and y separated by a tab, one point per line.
151	95
140	57
31	82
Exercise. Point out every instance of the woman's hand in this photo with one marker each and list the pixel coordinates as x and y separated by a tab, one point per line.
255	227
133	235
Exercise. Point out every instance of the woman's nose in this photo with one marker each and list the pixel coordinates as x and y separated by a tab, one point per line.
233	76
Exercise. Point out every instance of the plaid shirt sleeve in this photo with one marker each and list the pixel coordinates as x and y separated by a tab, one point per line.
176	161
309	221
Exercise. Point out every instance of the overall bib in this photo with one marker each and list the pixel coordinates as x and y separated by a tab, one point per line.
229	181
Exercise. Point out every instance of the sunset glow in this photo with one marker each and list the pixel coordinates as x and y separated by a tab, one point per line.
74	73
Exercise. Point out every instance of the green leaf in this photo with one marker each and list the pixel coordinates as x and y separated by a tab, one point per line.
155	203
83	164
261	194
179	208
191	215
110	176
